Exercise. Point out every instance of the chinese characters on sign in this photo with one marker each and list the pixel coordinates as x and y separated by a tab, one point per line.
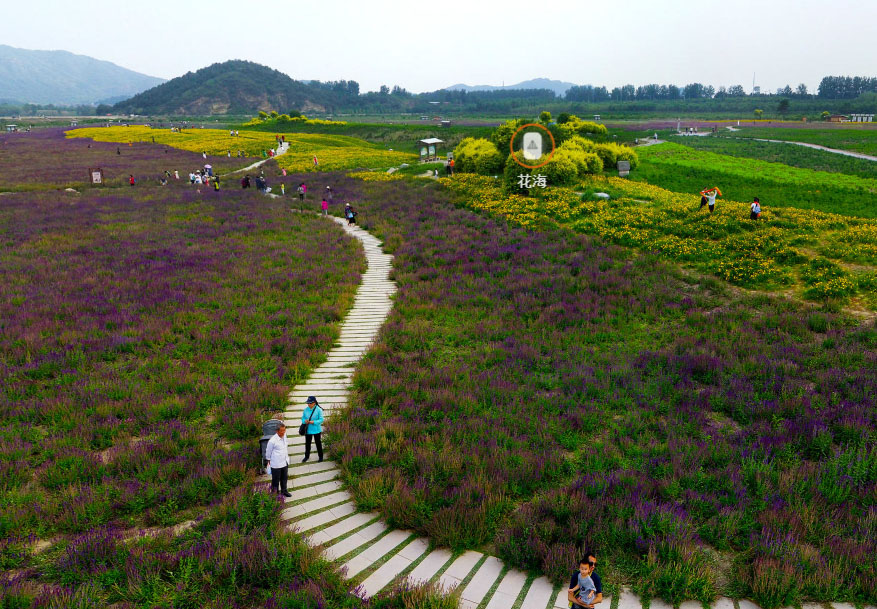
529	181
96	176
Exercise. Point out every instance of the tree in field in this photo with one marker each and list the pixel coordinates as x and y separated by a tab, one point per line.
274	114
737	91
759	113
783	107
263	115
826	115
801	91
545	117
563	117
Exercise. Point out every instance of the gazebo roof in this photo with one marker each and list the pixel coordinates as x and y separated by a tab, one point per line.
432	140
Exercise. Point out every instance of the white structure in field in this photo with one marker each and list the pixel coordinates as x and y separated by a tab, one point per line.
861	118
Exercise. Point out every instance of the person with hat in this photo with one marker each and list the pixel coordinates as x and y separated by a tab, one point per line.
312	418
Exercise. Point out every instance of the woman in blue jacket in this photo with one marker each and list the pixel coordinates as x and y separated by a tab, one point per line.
313	418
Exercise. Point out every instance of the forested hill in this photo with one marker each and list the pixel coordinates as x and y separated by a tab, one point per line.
231	87
59	77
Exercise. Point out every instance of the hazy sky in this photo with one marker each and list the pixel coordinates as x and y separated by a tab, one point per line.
424	46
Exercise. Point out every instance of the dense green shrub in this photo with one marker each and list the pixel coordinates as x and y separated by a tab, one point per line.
477	156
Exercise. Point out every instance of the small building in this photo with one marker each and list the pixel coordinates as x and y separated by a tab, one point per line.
446	123
429	148
597	118
11	128
74	123
861	118
838	118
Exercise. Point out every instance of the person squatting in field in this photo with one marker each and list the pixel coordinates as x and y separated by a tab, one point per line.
585	586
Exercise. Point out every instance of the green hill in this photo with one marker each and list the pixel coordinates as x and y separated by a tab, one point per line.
231	87
59	77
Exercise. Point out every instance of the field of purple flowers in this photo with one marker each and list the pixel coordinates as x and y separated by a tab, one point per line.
143	333
536	392
45	159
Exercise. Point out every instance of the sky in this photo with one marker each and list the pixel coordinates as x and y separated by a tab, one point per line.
424	46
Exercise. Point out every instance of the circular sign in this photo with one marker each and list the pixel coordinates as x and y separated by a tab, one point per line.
512	145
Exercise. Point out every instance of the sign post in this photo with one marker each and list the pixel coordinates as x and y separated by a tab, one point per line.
623	169
96	176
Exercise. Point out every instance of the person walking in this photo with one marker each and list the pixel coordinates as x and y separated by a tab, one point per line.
325	206
301	192
330	194
350	214
755	209
277	455
312	420
710	196
131	180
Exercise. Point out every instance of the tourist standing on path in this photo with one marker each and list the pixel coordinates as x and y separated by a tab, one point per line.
350	214
585	582
755	209
131	180
301	191
312	417
277	455
325	206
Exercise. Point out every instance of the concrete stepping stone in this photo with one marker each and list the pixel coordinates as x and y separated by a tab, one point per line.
340	528
629	600
459	569
357	540
391	569
481	583
539	594
297	511
302	469
687	604
310	479
430	565
657	603
509	589
314	491
726	603
561	601
324	517
375	552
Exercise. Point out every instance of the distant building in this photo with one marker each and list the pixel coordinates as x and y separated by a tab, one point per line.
861	118
756	90
11	128
838	118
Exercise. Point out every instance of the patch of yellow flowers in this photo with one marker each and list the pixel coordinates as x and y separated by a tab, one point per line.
768	253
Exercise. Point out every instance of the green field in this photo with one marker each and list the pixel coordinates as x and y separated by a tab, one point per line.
795	156
861	139
684	169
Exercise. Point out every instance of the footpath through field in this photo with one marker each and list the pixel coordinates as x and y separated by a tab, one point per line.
282	149
374	555
857	155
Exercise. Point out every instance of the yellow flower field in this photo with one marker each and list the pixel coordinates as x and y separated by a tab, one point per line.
333	152
771	253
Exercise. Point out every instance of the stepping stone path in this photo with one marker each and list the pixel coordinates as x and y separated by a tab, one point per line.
373	555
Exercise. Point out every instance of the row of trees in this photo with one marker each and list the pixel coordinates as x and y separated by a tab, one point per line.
845	87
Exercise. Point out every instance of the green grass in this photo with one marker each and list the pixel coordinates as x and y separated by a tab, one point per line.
788	154
683	169
860	139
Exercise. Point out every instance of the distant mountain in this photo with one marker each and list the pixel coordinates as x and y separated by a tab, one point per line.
558	86
231	87
59	77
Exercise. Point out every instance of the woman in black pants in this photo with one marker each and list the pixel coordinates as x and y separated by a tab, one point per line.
313	418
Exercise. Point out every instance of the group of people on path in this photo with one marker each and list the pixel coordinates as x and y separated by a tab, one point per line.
277	451
708	198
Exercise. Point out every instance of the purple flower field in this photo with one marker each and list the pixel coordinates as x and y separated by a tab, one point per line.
44	158
534	393
144	335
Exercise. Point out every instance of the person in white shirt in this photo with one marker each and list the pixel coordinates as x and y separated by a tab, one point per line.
755	209
278	458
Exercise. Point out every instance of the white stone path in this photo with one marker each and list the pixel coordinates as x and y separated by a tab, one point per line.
373	555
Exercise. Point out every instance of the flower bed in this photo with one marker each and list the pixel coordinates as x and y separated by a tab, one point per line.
534	392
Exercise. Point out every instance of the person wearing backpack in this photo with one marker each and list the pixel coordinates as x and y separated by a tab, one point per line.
312	427
755	209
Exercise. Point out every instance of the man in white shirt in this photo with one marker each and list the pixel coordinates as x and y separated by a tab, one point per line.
278	458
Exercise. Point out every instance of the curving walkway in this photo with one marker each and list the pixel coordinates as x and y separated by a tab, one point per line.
374	555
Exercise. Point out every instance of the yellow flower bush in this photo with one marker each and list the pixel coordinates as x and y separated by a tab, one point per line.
374	176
